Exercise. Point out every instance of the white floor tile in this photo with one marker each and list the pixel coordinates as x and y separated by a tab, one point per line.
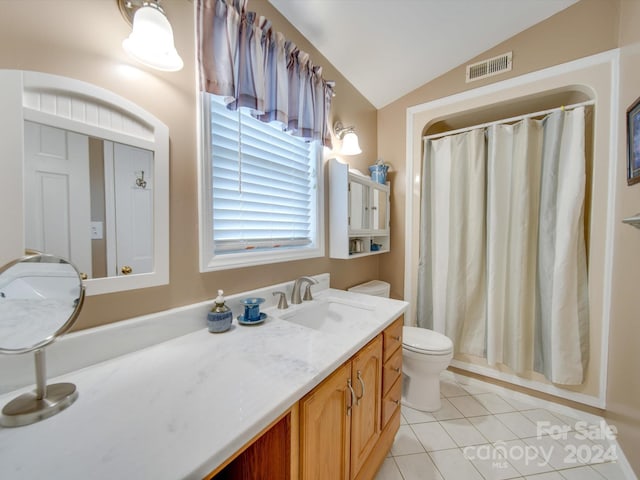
545	476
417	467
521	402
454	466
406	442
525	458
389	470
416	416
468	406
451	389
403	421
545	421
568	420
463	432
610	471
473	388
580	450
433	436
552	452
492	428
494	403
518	424
489	462
581	473
470	414
447	411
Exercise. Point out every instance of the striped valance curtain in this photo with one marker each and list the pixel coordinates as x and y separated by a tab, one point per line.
248	63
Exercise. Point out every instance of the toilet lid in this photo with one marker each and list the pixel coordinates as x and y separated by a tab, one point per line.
427	341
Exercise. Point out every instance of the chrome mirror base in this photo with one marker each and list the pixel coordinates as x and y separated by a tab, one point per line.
28	408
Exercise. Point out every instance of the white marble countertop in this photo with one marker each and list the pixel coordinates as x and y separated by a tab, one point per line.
179	408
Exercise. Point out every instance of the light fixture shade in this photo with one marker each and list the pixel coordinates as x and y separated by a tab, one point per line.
151	40
350	145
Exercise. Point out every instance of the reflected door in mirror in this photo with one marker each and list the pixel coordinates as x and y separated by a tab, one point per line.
133	180
89	200
57	193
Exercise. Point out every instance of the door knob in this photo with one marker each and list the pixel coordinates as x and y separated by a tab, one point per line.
126	270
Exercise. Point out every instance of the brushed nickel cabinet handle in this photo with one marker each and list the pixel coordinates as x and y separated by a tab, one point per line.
353	397
362	385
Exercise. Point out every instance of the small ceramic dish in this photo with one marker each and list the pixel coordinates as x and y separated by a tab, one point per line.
243	321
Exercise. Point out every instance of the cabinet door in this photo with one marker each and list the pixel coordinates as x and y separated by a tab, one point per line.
325	427
366	377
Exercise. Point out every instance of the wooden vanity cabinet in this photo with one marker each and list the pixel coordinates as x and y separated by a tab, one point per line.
341	430
273	453
346	435
392	370
340	419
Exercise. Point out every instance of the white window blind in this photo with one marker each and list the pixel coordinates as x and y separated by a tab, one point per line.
263	185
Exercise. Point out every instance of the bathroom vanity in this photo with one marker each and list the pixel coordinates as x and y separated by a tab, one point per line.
161	397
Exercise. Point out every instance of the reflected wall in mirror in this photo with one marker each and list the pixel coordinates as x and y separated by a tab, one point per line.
91	169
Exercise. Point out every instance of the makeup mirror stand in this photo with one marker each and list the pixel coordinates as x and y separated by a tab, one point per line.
44	402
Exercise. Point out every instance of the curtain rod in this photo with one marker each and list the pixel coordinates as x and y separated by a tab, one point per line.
507	120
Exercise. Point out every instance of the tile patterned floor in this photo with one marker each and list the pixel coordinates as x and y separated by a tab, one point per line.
482	435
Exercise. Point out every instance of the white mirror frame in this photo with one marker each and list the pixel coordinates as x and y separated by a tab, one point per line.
84	108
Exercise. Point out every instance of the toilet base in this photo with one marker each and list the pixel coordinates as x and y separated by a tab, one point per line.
422	393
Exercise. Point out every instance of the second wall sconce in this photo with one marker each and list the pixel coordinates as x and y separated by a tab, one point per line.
350	145
151	39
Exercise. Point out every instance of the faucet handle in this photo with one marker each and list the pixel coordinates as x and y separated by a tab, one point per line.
307	293
282	301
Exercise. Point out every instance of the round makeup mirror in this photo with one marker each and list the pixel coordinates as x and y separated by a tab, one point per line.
40	298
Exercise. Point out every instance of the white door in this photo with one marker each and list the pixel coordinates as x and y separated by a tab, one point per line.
57	201
130	169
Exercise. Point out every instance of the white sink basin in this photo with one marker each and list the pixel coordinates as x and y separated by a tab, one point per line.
331	315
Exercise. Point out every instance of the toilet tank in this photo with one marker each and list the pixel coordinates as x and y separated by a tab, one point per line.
377	288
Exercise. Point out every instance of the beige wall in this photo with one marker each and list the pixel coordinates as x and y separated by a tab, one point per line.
82	40
588	27
623	392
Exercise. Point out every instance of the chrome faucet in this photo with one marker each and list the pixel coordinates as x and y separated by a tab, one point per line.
295	294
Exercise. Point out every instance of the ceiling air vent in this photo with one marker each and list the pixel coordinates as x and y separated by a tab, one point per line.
488	68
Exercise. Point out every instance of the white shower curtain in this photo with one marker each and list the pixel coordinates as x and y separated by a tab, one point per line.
503	264
456	303
513	184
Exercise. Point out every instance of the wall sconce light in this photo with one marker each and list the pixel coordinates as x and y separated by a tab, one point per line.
151	39
349	139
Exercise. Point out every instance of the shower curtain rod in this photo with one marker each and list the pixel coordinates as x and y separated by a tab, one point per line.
507	120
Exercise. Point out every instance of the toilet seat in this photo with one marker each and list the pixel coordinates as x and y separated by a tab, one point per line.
426	342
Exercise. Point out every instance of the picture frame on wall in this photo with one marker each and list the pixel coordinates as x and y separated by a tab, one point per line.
633	143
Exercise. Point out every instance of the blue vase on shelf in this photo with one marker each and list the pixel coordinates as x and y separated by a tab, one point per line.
379	173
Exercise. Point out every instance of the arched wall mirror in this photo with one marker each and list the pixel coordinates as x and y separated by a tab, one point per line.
86	175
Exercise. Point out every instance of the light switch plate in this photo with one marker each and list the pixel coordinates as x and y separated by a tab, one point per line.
96	230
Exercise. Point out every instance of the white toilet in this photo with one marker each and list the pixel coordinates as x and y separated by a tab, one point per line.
425	354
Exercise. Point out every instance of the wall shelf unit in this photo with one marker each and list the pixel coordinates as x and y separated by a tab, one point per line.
358	214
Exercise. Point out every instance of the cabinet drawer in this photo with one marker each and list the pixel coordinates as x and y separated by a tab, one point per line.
393	337
391	371
391	401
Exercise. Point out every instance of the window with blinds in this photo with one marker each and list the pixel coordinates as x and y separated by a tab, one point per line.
264	193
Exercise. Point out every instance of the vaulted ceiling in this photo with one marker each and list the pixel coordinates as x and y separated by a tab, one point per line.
387	48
